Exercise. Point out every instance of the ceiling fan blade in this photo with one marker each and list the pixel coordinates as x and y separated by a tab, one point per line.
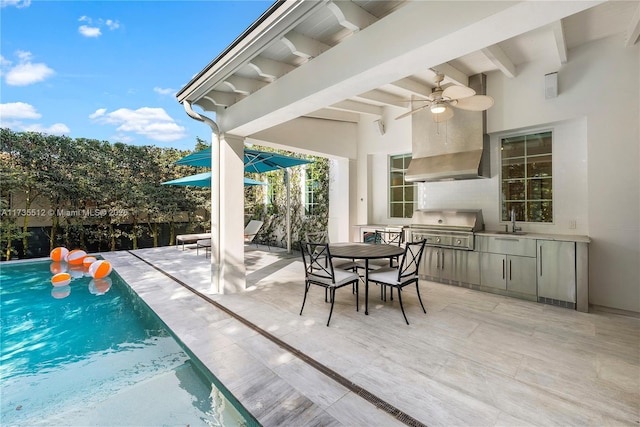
415	110
457	92
474	103
444	116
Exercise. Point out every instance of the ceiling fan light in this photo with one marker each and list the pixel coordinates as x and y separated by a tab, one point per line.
438	108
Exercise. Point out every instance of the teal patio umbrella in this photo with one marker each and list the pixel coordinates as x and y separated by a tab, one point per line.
204	180
255	161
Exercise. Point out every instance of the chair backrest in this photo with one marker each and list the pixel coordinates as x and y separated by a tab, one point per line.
411	259
317	236
317	260
252	229
387	237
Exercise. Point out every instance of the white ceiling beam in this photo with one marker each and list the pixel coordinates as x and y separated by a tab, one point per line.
633	30
338	115
221	99
412	86
561	42
452	75
500	59
268	68
351	16
357	107
243	85
303	46
271	28
389	50
382	97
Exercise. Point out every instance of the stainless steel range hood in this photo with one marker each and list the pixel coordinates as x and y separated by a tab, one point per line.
454	150
469	164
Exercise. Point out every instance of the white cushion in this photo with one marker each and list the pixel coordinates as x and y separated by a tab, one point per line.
342	277
389	275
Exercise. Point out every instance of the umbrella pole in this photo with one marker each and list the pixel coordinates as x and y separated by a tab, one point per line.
287	181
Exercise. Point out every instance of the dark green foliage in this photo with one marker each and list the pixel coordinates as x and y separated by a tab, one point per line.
112	184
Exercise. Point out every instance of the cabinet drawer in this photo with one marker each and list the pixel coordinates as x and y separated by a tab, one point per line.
509	245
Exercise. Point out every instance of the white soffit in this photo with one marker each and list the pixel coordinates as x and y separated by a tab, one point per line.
388	50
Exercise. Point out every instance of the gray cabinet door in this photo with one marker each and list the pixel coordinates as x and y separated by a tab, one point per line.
493	270
447	264
557	270
467	267
521	274
430	265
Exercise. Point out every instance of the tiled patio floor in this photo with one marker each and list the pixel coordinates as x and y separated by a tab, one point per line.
475	359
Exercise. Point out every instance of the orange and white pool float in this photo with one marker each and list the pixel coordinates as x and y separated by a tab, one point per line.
76	256
61	279
87	261
100	269
59	254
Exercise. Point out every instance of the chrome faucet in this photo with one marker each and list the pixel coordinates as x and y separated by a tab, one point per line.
514	227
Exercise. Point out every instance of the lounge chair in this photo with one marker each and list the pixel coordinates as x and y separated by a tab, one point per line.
206	244
191	238
251	230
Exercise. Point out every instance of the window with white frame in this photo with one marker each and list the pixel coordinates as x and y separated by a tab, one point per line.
401	193
526	184
311	185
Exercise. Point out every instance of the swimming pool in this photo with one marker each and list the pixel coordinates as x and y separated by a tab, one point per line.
93	353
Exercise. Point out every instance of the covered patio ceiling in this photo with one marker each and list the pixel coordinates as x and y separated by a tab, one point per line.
342	60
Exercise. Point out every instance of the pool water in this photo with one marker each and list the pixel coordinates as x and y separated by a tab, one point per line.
92	353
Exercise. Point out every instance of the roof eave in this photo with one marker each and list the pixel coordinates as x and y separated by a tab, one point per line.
279	19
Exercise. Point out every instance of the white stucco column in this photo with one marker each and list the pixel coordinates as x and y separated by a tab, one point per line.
231	208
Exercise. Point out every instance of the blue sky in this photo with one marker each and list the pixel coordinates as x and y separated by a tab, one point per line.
109	70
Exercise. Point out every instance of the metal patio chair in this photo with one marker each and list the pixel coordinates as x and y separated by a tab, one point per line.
314	256
404	274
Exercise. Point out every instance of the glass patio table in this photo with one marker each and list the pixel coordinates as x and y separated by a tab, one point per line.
365	251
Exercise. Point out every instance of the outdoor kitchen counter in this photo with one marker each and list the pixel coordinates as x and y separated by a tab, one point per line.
537	236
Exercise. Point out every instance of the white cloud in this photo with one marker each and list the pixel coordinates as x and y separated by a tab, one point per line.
12	115
54	129
152	123
99	112
164	91
88	31
18	110
4	62
17	3
25	72
93	27
111	24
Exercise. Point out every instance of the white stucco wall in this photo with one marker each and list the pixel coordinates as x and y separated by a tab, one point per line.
596	163
601	84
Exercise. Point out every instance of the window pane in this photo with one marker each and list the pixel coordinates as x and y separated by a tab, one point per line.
539	166
397	210
539	189
526	181
395	194
397	178
399	190
514	190
397	163
408	194
519	208
539	144
513	147
540	211
512	168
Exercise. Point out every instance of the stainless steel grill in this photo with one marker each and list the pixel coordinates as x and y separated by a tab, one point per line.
451	228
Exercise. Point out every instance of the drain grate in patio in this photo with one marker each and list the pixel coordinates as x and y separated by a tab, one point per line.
363	393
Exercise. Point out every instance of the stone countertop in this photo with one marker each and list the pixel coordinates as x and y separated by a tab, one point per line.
538	236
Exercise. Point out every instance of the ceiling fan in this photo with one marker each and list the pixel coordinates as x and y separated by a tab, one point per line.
441	100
